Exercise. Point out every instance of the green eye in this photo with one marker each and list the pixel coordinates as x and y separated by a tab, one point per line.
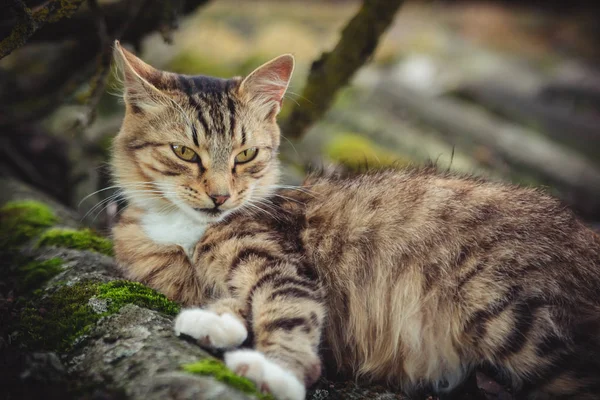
185	153
246	155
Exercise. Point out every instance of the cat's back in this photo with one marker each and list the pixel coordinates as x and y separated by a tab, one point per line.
449	221
448	270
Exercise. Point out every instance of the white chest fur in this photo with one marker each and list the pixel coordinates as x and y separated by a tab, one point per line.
173	228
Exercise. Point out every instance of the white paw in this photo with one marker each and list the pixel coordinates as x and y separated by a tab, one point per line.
268	376
210	329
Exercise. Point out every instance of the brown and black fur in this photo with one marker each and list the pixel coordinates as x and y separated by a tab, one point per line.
410	277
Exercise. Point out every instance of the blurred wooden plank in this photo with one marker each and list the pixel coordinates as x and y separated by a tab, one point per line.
566	113
569	171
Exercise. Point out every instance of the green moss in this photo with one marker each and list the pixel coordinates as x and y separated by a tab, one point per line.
35	273
20	221
124	292
83	239
218	370
358	152
53	321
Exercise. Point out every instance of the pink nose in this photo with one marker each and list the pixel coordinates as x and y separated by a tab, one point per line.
219	199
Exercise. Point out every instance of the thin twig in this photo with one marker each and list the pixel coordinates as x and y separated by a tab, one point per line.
97	83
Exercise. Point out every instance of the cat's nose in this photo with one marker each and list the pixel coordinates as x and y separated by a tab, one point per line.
219	199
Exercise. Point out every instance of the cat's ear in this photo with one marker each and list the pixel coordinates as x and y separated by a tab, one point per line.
140	80
267	84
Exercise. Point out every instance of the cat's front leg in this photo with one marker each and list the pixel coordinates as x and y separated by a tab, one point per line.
220	325
286	314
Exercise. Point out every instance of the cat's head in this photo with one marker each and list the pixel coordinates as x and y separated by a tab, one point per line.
199	145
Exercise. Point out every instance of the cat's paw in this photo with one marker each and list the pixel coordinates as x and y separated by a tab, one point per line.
210	329
268	376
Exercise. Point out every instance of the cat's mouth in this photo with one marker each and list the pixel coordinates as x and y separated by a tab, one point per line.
210	211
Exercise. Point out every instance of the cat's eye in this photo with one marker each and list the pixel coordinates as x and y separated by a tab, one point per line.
246	155
185	153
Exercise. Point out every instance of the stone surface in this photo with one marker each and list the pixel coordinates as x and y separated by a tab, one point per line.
136	351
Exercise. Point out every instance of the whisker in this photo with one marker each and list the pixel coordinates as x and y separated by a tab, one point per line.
289	92
121	186
303	189
286	198
105	207
256	203
117	195
291	144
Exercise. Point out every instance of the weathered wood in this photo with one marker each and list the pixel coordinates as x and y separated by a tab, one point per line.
568	170
553	110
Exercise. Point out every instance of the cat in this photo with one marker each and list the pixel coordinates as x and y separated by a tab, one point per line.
409	277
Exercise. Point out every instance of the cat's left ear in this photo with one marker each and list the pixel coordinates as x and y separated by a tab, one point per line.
267	84
142	82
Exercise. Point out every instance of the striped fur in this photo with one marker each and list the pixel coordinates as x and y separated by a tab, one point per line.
412	278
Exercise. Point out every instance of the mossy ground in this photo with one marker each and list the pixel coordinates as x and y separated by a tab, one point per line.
21	221
216	369
84	239
53	321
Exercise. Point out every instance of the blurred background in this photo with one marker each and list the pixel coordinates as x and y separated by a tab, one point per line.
505	89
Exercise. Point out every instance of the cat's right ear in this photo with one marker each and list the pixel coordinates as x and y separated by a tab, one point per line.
267	84
140	80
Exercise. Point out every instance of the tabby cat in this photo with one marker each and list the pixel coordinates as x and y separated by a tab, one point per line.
412	277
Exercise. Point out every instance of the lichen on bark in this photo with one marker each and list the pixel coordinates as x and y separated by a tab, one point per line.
31	21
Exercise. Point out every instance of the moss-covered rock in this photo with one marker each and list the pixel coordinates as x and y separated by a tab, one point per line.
53	321
216	369
119	293
358	152
83	239
35	273
21	221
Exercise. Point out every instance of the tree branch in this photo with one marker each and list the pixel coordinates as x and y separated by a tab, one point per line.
158	14
30	21
333	70
126	20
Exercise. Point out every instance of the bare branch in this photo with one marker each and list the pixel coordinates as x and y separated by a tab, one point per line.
89	53
333	70
32	20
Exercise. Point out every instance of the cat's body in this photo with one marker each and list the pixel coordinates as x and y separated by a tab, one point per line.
410	277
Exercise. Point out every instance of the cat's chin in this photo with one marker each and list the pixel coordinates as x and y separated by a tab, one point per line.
204	215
